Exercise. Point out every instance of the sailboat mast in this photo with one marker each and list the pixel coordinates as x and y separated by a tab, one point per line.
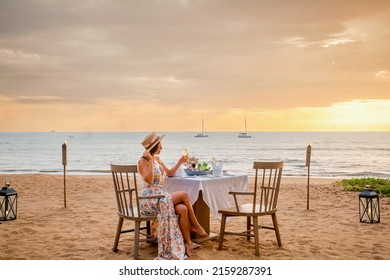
244	134
203	133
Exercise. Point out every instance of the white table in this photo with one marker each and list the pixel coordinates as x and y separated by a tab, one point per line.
207	193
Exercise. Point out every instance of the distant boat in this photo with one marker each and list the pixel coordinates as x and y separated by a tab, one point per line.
203	133
244	134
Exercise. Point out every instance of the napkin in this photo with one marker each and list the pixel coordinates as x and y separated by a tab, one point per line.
217	168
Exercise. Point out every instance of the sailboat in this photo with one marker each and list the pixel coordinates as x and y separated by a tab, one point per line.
244	134
203	133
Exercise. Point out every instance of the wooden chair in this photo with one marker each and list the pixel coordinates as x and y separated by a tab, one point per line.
264	201
128	200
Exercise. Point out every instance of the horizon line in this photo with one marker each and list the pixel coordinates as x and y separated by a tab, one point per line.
195	131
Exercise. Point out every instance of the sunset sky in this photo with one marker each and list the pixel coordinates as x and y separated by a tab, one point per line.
284	65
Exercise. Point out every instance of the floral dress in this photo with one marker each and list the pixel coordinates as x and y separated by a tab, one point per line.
169	236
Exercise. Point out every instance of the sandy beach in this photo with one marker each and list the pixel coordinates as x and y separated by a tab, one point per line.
85	229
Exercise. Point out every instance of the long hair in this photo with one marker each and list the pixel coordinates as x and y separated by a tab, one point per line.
154	149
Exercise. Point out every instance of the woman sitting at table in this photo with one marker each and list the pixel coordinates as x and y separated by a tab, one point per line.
170	231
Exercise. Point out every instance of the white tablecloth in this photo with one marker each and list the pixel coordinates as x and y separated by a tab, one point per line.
215	190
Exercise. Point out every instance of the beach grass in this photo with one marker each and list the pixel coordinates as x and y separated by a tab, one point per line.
379	185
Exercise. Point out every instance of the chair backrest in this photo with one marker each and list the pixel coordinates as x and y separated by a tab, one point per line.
267	182
125	184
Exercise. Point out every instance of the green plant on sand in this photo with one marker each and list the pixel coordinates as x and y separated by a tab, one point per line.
379	185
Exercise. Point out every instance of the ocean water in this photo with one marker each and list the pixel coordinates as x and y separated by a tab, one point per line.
334	154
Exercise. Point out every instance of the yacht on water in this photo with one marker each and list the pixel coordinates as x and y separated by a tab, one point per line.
244	134
203	133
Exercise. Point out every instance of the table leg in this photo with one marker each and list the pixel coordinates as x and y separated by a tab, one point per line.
202	213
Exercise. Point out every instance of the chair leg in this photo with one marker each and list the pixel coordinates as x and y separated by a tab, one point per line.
248	227
276	229
136	238
222	231
148	231
256	233
118	234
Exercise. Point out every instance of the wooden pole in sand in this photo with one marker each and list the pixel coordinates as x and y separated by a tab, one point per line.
308	156
64	163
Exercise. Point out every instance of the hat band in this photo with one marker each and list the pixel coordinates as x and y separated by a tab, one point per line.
153	143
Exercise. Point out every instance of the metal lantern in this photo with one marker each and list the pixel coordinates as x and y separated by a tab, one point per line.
8	202
369	211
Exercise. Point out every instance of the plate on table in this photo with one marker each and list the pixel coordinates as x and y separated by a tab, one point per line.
196	172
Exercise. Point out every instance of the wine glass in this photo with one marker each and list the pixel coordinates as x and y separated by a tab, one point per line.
185	152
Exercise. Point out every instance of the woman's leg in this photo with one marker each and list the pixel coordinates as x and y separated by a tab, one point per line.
185	227
182	197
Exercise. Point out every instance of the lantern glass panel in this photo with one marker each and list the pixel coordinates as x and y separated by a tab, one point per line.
369	211
8	204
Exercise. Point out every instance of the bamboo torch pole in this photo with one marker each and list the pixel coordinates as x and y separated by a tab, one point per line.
64	163
308	156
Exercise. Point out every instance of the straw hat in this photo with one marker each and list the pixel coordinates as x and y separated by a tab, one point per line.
151	140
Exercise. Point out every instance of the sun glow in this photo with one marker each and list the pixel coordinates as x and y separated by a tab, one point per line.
111	115
355	115
360	115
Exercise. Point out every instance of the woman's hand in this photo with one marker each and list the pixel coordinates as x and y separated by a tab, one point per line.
171	172
147	156
183	159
